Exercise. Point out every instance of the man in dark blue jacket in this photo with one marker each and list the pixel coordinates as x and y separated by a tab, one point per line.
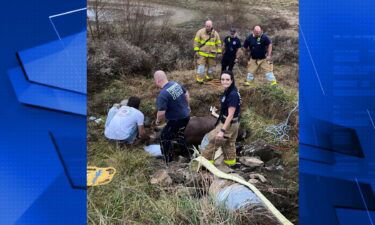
173	105
232	44
260	47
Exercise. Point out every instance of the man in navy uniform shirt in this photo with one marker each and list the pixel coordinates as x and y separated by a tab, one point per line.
232	44
173	105
260	48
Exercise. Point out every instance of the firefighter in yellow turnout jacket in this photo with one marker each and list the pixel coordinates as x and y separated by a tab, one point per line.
207	46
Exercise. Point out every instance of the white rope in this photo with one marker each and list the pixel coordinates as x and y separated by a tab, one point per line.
281	130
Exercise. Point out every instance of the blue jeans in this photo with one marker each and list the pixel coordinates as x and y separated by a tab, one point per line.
132	136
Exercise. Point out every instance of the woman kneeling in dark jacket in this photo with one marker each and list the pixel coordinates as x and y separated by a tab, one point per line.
226	130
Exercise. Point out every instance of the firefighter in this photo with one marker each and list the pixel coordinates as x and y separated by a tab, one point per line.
226	130
173	106
232	44
260	47
207	47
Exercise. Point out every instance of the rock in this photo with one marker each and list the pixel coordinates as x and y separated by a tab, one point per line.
253	181
184	165
189	179
244	175
269	168
92	118
177	178
279	167
273	162
161	178
246	169
259	177
262	150
251	161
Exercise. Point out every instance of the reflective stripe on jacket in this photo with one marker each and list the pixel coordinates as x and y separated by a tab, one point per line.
207	45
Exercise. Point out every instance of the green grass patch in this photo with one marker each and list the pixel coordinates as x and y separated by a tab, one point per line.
273	103
131	199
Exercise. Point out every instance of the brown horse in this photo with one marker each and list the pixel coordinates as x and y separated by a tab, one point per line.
200	126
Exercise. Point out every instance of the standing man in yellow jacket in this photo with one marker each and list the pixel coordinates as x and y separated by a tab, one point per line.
207	47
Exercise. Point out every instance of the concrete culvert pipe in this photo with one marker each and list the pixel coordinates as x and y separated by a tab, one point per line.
232	196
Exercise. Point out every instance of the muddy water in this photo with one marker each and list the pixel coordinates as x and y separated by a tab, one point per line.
177	15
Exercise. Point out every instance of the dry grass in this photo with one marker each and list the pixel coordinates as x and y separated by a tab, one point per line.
131	199
291	5
285	47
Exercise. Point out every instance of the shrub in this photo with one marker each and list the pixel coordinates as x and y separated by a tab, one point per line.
272	103
285	47
100	67
129	59
227	13
108	60
274	24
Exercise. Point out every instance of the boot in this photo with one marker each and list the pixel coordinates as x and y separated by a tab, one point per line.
199	80
208	78
249	83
